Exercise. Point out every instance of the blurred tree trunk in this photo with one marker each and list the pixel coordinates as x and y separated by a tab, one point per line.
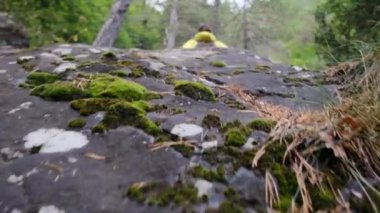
110	29
171	32
216	19
245	26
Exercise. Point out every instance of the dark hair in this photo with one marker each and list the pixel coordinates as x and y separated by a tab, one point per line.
204	27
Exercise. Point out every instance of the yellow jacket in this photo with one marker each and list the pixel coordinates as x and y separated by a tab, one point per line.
203	37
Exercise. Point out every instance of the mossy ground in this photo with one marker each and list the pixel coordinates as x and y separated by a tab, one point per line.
194	90
38	78
77	123
59	91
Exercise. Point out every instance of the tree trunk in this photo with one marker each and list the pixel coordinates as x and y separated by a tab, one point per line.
171	32
245	26
216	17
110	29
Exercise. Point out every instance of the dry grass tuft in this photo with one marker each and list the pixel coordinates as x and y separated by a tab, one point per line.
351	130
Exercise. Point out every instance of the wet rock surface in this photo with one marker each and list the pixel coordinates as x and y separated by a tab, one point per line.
132	148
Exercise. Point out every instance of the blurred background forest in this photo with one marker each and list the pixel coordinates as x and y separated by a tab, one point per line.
308	33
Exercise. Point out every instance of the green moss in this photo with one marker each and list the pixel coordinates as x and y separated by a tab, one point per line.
59	91
231	194
161	194
322	198
119	73
142	105
90	106
210	175
104	85
170	79
100	128
285	204
38	78
109	56
186	151
68	58
230	207
125	113
194	90
211	120
262	124
77	123
137	72
218	63
235	137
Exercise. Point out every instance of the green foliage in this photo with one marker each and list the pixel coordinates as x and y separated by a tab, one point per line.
347	27
59	21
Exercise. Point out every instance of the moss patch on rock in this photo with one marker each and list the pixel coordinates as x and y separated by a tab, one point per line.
125	113
59	91
77	123
211	120
194	90
235	137
104	85
162	194
38	78
218	63
100	128
90	106
210	175
262	124
186	151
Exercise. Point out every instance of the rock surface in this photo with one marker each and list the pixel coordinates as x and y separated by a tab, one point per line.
98	176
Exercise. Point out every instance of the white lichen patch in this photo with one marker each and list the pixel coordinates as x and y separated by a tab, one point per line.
3	71
15	179
55	140
186	130
204	187
50	209
65	67
25	105
209	144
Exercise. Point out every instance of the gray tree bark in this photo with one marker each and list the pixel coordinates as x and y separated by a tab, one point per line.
171	32
110	29
216	18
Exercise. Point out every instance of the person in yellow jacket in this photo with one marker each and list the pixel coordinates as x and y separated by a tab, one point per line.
204	37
